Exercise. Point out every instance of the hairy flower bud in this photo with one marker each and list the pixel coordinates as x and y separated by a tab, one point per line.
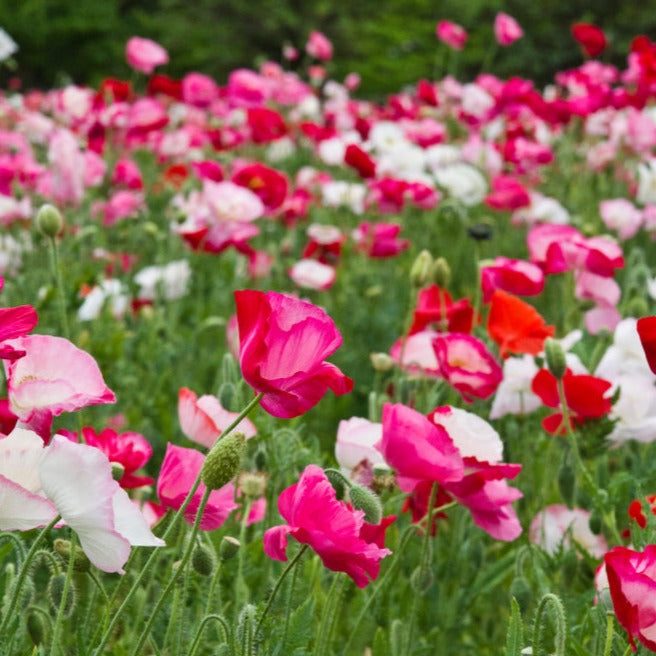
56	594
80	563
555	356
521	591
228	548
363	498
441	273
223	461
567	483
203	560
420	270
49	220
36	628
595	522
421	579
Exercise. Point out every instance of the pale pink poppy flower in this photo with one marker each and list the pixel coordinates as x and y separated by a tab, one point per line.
454	35
53	377
621	215
94	169
146	115
312	274
67	165
557	525
506	29
601	317
75	481
229	202
144	55
319	47
257	511
355	448
203	419
178	473
247	88
123	204
601	155
419	357
600	289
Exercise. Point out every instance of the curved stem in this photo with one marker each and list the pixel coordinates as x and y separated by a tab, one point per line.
204	622
281	578
561	624
55	644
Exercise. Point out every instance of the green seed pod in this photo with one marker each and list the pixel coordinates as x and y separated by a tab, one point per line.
420	271
228	548
81	562
441	273
555	356
36	628
567	483
521	591
203	560
362	498
223	461
56	593
49	220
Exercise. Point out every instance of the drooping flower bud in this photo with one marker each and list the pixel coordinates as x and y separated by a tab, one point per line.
49	220
555	356
223	461
80	563
203	560
36	628
56	594
422	579
228	548
363	498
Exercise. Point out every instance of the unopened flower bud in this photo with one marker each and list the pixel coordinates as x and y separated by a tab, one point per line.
420	270
56	594
337	480
381	361
36	628
521	591
223	461
253	484
227	393
117	470
638	307
595	522
228	548
203	560
567	483
555	356
49	220
441	273
362	498
150	228
421	579
80	562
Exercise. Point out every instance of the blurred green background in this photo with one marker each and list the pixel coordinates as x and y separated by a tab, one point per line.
390	42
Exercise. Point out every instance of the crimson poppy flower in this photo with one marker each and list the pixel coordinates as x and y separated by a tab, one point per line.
283	345
591	38
270	185
647	334
584	395
516	326
436	307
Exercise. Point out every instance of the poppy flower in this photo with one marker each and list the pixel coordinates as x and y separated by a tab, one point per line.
437	309
584	395
358	159
266	183
516	326
337	533
647	333
632	582
144	55
515	276
591	38
452	34
283	345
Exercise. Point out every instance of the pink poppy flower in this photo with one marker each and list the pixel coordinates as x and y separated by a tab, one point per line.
355	448
506	29
283	345
621	215
15	322
507	193
179	470
632	581
454	35
144	55
319	47
467	365
312	274
75	481
199	90
419	359
338	534
203	419
379	240
53	377
514	276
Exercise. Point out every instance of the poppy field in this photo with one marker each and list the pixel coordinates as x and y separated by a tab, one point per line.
291	371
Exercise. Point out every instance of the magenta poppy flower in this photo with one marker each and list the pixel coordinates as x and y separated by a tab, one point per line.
144	55
632	582
454	35
506	29
338	534
283	345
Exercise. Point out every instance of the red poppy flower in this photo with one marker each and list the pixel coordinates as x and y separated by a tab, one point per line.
584	396
591	38
647	334
516	326
435	306
358	159
270	185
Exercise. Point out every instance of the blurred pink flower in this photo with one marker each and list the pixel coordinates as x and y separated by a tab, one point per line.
355	448
144	55
199	90
454	35
319	47
312	274
338	534
506	29
178	473
283	345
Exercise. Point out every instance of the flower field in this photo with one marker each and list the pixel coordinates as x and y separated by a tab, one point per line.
289	371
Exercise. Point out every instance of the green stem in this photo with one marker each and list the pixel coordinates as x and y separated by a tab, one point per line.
205	621
609	634
561	624
23	573
288	610
281	578
176	518
213	584
241	586
61	299
177	572
55	644
329	616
